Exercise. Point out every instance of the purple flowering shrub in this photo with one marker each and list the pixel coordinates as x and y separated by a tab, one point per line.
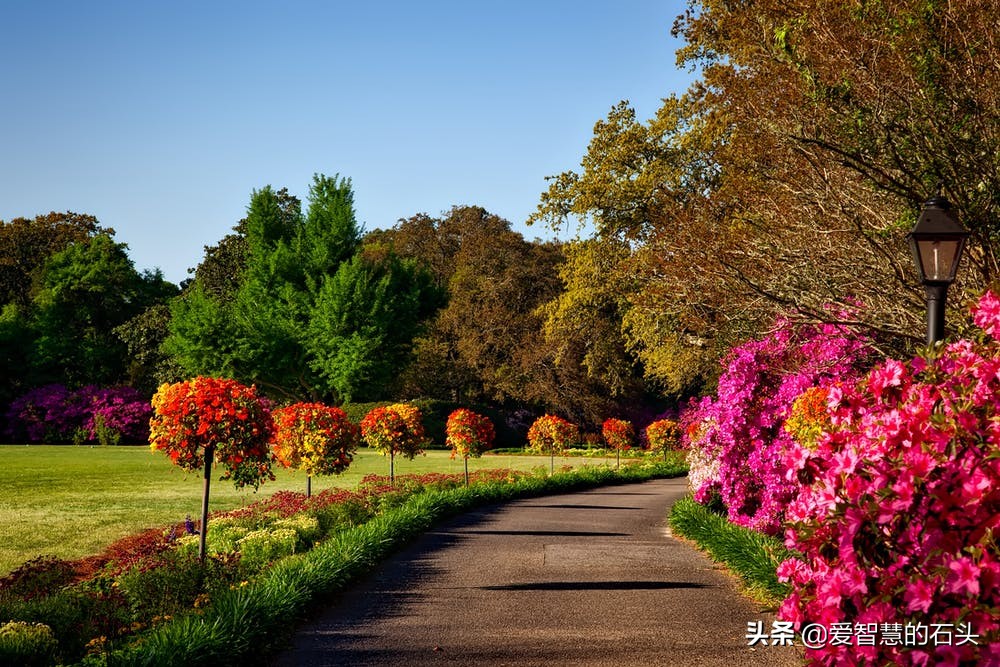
735	440
55	414
899	513
122	409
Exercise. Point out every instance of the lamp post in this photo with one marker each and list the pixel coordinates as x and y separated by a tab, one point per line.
937	241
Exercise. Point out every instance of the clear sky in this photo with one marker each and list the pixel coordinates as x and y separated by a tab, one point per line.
160	118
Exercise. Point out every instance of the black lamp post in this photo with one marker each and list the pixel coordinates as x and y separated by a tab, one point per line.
937	241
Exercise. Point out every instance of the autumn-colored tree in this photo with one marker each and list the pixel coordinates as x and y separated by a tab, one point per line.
394	429
663	435
789	175
468	434
619	434
196	420
483	344
551	434
315	438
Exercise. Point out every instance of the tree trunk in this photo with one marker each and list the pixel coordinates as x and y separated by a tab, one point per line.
209	455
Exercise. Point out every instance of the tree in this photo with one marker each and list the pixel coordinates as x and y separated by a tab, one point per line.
787	178
26	245
196	420
85	291
310	316
584	324
365	320
483	343
314	438
394	429
148	366
550	434
619	434
468	434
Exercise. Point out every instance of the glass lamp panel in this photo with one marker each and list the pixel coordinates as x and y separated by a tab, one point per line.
937	258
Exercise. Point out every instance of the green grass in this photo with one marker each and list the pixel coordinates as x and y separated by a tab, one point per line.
752	556
73	501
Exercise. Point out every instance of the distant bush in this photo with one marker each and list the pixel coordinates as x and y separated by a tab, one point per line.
54	414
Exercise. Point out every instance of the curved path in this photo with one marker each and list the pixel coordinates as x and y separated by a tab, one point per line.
587	578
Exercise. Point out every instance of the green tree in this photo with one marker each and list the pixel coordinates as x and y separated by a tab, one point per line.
365	320
584	323
261	295
86	291
16	339
26	245
148	366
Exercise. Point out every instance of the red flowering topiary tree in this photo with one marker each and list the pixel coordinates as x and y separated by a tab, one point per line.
201	419
552	435
468	434
663	435
394	429
619	434
315	438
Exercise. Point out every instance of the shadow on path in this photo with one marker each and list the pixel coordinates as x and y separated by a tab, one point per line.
549	584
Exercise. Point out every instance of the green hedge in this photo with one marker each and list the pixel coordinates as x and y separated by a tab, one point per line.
751	555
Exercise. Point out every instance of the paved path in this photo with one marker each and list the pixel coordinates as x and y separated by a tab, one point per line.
589	578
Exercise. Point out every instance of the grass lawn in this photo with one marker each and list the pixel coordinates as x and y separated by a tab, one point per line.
71	501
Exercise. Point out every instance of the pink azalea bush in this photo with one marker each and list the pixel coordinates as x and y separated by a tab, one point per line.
735	439
56	414
899	511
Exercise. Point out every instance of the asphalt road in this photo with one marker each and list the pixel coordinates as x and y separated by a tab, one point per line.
589	578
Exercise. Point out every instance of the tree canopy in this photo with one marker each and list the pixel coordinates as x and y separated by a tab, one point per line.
292	303
788	176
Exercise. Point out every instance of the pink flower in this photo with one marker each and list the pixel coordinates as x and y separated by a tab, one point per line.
919	595
986	313
963	576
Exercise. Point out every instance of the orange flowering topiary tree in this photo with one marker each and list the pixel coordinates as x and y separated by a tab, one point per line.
619	434
394	429
315	438
197	421
468	434
552	435
663	435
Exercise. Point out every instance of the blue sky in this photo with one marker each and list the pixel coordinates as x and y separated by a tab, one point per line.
161	118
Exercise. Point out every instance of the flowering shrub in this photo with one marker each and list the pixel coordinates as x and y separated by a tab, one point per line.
808	419
663	435
394	429
123	410
468	433
618	433
552	435
740	429
27	644
214	414
898	518
55	414
315	438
